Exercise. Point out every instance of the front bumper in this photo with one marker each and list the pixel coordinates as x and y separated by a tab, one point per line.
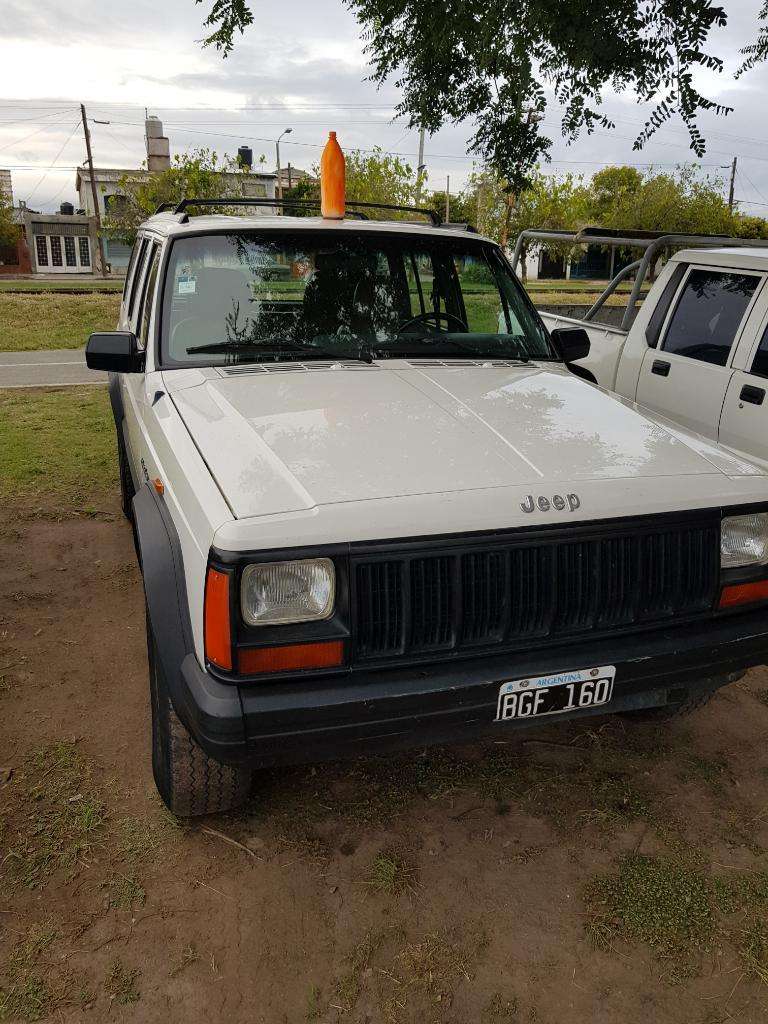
364	712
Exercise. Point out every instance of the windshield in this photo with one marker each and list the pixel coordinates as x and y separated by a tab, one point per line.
252	296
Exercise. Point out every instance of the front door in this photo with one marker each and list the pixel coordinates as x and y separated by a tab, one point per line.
686	378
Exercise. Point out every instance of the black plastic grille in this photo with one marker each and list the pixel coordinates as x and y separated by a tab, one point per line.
493	595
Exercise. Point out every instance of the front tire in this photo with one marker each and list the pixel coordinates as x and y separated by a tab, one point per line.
189	781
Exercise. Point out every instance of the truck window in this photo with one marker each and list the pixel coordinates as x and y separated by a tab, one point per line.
659	314
708	314
248	295
134	273
148	296
760	362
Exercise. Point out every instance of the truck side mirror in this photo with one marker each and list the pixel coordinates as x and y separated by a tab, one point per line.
114	351
571	342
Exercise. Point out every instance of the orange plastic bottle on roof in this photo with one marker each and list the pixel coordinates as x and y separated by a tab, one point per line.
332	180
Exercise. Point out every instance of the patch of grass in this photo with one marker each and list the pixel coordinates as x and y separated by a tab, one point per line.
188	957
59	444
440	958
66	285
710	771
391	874
139	838
350	982
753	949
401	972
121	983
674	907
665	904
51	320
59	818
314	1011
499	1010
126	893
24	993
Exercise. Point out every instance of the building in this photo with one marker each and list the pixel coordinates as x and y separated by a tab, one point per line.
60	243
291	176
6	186
254	184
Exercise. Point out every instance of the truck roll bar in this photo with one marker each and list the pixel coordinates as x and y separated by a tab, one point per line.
652	242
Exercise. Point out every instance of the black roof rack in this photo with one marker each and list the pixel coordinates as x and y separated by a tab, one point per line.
355	207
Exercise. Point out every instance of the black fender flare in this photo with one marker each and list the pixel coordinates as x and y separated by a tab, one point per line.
116	401
202	705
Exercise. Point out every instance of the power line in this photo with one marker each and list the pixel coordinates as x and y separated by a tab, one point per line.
50	168
31	135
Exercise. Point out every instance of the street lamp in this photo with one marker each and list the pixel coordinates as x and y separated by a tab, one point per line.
277	148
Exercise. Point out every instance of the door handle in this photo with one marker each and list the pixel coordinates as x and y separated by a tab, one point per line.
749	393
661	367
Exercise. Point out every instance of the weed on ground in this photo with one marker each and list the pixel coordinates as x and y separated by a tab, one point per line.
61	815
681	911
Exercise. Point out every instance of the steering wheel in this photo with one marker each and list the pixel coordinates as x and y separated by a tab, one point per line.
433	314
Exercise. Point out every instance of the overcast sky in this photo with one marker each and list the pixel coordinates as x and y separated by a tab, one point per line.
300	66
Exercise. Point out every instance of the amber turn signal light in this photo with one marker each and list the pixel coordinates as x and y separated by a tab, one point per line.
218	638
257	660
744	593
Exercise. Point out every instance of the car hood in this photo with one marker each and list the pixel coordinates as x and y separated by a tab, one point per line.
296	436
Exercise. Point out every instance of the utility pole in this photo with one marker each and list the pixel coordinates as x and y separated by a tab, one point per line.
732	185
94	193
419	167
447	199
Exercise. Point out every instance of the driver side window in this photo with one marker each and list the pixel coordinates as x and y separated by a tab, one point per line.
709	312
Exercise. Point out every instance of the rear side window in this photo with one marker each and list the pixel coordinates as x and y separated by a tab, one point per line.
708	314
760	362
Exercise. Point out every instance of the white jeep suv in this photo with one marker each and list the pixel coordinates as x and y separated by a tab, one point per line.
374	507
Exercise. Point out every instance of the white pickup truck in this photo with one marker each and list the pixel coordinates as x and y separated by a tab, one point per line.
373	507
697	351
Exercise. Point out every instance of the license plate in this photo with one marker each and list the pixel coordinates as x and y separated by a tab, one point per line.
552	695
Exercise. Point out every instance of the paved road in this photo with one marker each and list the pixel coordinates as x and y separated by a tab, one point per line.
65	368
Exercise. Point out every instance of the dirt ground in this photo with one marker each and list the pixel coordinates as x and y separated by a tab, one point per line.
609	874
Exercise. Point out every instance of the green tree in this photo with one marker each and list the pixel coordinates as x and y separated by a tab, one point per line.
554	202
197	173
9	230
683	201
490	61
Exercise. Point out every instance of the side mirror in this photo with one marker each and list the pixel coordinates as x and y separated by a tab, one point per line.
571	342
114	351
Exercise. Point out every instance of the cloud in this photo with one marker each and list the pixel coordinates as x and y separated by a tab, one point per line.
292	66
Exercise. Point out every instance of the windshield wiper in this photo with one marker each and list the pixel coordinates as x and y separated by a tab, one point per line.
477	351
275	345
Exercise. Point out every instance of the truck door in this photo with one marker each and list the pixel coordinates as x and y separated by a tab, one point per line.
744	422
686	378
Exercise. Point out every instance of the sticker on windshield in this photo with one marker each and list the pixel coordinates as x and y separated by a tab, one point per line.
187	285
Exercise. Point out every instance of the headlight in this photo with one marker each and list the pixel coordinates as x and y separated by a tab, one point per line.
278	593
744	540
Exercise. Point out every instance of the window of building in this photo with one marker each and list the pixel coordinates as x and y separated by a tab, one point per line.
56	257
708	314
69	251
85	252
41	247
